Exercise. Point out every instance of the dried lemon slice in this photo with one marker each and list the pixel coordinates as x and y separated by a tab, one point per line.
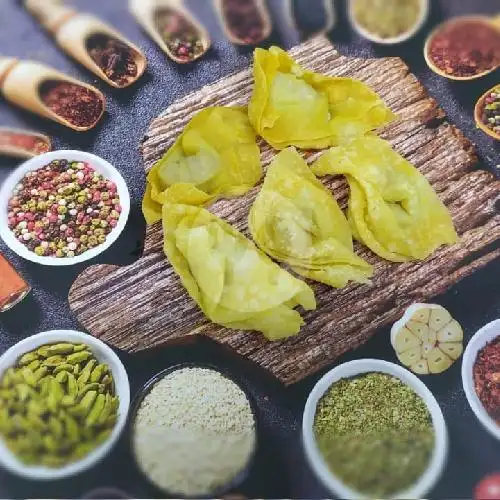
427	339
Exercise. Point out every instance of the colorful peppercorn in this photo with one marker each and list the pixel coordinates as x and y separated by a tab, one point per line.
491	110
63	209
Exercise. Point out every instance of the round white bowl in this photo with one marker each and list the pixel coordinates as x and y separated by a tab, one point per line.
424	13
352	369
104	354
101	166
486	334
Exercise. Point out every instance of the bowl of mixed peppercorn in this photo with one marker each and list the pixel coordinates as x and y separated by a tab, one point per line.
481	376
63	208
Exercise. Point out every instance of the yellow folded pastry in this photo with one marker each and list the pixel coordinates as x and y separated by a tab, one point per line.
393	209
296	220
234	283
215	156
291	106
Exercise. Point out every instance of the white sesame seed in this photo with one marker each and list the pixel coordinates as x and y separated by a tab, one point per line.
194	432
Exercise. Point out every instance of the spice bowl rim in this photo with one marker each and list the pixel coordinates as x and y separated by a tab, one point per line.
101	351
38	162
484	335
440	26
352	369
146	388
372	37
477	114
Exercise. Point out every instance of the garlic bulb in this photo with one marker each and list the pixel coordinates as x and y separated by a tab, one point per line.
427	339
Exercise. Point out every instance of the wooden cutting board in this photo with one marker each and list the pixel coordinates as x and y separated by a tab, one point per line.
143	306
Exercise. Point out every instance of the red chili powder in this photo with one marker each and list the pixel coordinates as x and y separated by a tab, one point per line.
77	104
486	373
466	48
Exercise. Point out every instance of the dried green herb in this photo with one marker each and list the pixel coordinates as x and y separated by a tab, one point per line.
375	433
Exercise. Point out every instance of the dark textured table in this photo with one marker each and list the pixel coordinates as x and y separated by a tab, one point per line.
280	470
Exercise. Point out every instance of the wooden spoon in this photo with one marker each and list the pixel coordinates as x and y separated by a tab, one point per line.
9	146
261	11
147	13
21	83
478	112
74	33
330	17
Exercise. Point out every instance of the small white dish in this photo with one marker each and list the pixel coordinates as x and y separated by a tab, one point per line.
353	369
101	166
486	334
104	354
424	13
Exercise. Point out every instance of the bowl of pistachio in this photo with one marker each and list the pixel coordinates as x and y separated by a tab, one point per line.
64	400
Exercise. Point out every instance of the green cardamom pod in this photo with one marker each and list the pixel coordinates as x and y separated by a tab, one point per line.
61	377
96	410
87	401
64	367
86	372
72	385
82	449
51	444
36	407
43	351
61	349
29	377
54	361
79	347
67	401
71	426
76	370
98	373
27	358
6	395
78	357
103	435
40	373
34	365
24	391
56	427
90	387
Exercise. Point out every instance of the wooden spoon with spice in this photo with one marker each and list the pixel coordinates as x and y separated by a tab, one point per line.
326	14
93	43
51	94
464	48
245	22
487	112
23	143
170	24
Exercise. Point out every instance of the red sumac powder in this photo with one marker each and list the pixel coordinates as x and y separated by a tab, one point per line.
486	373
466	48
77	104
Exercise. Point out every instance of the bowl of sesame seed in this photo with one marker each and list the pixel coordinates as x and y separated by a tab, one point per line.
193	432
63	208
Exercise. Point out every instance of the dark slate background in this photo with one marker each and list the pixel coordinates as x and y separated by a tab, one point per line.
280	470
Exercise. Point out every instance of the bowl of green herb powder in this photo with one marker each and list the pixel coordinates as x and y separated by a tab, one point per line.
373	429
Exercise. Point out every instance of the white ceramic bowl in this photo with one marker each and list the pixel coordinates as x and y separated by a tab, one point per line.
424	13
101	166
104	354
486	334
352	369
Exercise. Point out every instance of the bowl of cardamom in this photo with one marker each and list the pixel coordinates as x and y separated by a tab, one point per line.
372	429
64	400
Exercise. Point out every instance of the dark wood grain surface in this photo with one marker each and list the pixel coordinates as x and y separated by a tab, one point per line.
143	306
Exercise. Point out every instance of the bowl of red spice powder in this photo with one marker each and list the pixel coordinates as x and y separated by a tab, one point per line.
481	376
63	208
464	48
